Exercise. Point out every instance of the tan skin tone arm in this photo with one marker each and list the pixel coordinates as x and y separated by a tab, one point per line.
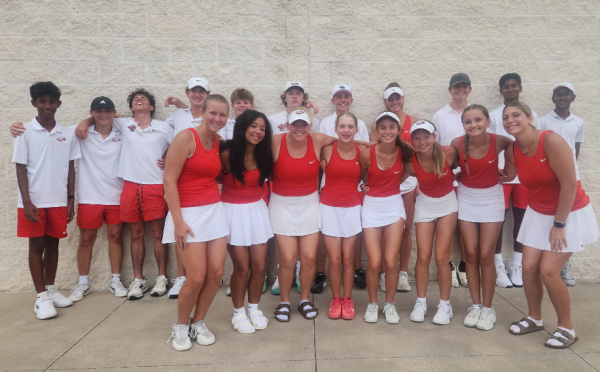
510	170
71	191
31	212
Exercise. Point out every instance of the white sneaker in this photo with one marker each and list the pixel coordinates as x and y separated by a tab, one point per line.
418	313
372	313
567	275
472	317
487	319
275	287
58	299
462	278
137	288
403	285
502	277
44	308
202	335
177	283
242	324
443	315
181	338
117	288
515	273
391	315
160	287
382	282
454	275
79	291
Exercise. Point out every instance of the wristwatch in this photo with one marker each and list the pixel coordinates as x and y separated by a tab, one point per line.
559	225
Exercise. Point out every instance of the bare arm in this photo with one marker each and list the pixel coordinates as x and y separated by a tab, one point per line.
82	129
225	167
510	170
409	170
502	143
364	159
451	155
16	129
577	147
31	212
454	145
71	191
170	100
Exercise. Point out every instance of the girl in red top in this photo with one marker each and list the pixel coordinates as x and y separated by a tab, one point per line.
435	215
383	211
558	221
339	211
480	209
196	221
246	163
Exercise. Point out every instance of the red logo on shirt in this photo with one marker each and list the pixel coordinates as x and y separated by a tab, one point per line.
281	127
131	128
294	83
299	112
61	139
116	139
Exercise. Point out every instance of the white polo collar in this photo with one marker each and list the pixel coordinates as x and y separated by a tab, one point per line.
450	109
37	126
555	115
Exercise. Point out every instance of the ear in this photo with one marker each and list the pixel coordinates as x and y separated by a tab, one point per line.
33	103
573	99
252	106
91	112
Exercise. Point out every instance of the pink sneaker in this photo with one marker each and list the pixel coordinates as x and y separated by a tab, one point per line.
335	310
348	309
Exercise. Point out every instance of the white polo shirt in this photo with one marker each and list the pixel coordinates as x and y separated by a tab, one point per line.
46	155
448	125
571	129
141	149
227	131
182	119
278	121
97	180
327	126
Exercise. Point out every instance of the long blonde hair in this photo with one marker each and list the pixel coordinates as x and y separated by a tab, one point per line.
466	136
523	107
438	155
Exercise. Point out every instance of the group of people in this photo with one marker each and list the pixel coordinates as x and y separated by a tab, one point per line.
296	179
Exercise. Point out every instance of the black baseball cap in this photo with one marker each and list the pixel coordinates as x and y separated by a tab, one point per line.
102	102
461	77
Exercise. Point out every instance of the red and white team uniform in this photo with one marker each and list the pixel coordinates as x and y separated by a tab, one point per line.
142	198
410	183
182	119
339	210
480	196
199	197
278	121
46	155
571	129
98	186
448	125
544	189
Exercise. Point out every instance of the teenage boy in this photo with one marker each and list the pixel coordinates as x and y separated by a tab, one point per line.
44	156
142	198
570	127
511	274
449	126
341	98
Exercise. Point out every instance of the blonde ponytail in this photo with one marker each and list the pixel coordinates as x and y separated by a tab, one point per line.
439	160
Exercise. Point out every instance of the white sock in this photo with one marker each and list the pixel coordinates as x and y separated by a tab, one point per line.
252	307
84	279
312	313
239	311
422	300
560	336
42	294
477	306
517	258
50	287
498	259
442	302
116	278
277	266
260	321
382	275
402	272
285	310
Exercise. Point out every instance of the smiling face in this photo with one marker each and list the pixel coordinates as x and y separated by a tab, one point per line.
46	106
342	101
562	97
387	130
256	131
346	129
475	122
515	120
215	116
394	102
141	103
460	91
294	98
422	140
241	105
299	130
103	116
196	95
511	90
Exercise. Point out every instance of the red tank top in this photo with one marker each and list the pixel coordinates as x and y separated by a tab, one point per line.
342	180
384	183
432	185
543	186
196	183
483	173
406	130
295	177
236	193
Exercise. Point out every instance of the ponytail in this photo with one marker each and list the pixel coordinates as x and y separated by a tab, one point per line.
407	152
439	160
465	150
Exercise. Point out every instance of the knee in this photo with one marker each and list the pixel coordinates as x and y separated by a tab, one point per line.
137	234
241	270
195	281
257	268
374	265
115	237
486	259
547	272
423	258
391	266
215	274
86	241
334	261
348	262
441	259
157	233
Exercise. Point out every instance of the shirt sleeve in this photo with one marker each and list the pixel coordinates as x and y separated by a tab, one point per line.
75	152
170	133
363	133
171	120
536	120
436	123
579	136
120	123
21	150
542	124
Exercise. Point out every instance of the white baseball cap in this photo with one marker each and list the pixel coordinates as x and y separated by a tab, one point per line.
422	124
293	84
566	85
341	88
198	82
388	114
298	115
389	91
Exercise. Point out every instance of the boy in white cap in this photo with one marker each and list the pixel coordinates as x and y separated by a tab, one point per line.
570	127
293	97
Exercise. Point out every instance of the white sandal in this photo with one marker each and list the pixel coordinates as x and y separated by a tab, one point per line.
241	321
257	315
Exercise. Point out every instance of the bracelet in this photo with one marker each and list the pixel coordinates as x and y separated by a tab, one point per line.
559	225
71	197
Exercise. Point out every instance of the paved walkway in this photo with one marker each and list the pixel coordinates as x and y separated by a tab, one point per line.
106	333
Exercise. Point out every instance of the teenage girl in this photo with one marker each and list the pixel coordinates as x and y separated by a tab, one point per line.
480	209
246	163
339	211
435	215
196	221
559	219
383	211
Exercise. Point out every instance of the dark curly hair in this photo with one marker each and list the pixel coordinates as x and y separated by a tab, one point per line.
44	88
512	75
144	92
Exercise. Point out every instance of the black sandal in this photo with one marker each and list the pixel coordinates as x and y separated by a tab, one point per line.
310	310
279	312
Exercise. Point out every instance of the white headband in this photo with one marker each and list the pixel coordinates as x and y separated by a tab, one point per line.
389	91
422	124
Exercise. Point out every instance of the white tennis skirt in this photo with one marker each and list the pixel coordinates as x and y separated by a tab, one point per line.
429	209
248	223
379	212
581	228
408	185
294	215
208	222
339	222
480	205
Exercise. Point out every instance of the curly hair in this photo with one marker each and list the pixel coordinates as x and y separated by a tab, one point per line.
44	88
144	92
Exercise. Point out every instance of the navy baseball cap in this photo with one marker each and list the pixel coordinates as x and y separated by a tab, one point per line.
102	102
461	77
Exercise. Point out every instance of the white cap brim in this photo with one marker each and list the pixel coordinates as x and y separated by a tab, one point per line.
389	91
298	115
198	82
391	115
422	124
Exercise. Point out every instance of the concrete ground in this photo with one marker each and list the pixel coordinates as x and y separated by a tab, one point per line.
106	333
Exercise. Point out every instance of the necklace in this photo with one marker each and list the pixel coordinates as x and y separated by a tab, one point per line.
487	140
353	150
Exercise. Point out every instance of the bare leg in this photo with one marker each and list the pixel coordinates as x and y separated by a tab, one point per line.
36	262
532	281
518	215
321	254
87	237
308	253
138	250
240	257
470	236
258	261
488	236
393	239
550	267
114	233
180	267
348	245
50	259
160	250
334	251
445	228
373	244
288	254
424	232
406	246
194	259
358	244
216	251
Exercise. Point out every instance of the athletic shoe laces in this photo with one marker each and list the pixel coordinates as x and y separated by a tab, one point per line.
473	311
177	283
78	288
179	334
389	309
372	309
421	306
518	270
485	314
117	284
45	302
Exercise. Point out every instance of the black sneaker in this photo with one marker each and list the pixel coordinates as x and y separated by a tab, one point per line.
359	279
318	283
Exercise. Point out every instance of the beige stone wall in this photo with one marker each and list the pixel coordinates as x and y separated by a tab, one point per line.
109	47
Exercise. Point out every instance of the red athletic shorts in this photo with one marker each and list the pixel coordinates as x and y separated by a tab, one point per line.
519	195
53	222
91	216
142	202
